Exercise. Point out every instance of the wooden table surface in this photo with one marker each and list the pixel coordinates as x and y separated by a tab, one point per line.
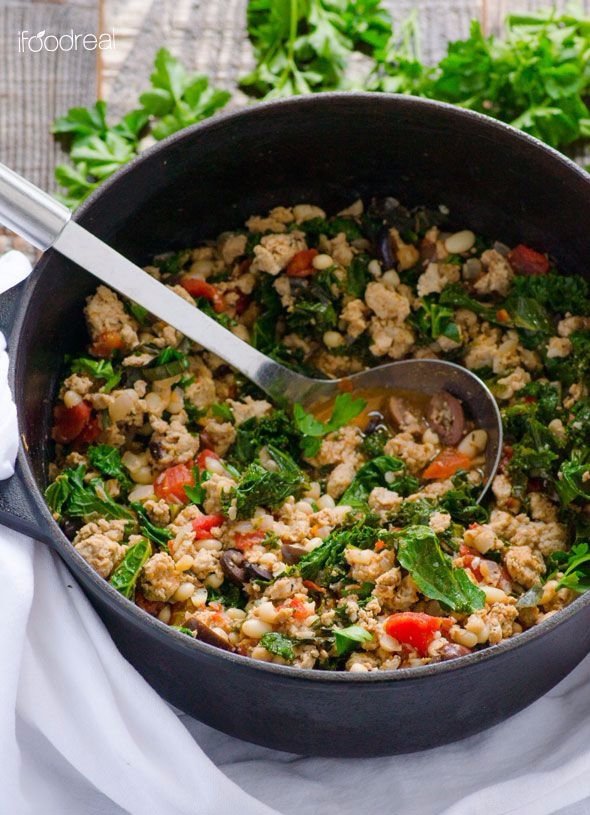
208	35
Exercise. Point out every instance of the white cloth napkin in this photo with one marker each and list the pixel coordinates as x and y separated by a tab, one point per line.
81	733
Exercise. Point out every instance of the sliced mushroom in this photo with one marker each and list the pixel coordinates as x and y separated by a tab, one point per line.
446	417
385	249
206	634
453	650
256	572
292	553
233	566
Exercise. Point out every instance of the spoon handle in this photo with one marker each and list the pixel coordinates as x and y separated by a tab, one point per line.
30	212
45	223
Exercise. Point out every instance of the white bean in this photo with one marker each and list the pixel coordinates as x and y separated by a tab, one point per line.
374	268
255	629
332	339
494	595
474	443
183	592
460	242
322	262
142	492
123	405
391	277
267	612
71	399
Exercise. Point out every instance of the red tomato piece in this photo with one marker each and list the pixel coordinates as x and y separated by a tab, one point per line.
197	287
107	342
170	484
469	555
446	464
300	264
525	260
246	540
70	422
414	628
299	606
203	456
91	432
203	525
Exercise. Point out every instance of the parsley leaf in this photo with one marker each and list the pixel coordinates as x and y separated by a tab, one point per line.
345	409
99	369
178	99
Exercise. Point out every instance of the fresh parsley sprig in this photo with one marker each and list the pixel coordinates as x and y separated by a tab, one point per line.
97	149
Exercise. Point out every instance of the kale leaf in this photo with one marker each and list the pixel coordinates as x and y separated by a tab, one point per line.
157	534
125	576
380	472
70	495
433	572
347	639
107	460
261	487
279	645
274	428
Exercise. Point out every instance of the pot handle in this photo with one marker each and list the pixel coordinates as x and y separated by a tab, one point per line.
17	509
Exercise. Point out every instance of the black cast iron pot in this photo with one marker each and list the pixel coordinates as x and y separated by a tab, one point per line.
326	150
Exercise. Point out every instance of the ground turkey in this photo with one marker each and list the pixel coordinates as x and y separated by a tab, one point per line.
99	543
159	578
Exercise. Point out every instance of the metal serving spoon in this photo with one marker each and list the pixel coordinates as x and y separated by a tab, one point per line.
46	223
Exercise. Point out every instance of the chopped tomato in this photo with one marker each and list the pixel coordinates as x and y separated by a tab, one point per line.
106	343
299	606
414	628
379	546
525	260
203	525
309	584
246	540
301	263
90	432
70	422
446	464
197	287
469	555
502	315
170	484
203	456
